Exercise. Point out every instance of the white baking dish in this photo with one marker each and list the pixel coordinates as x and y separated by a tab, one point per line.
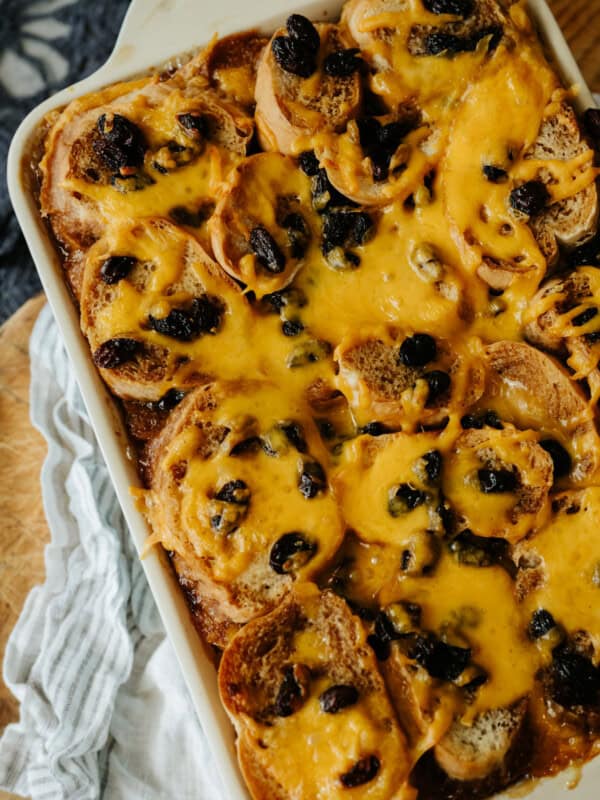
154	32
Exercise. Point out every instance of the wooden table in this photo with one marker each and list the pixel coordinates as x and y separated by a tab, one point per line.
23	533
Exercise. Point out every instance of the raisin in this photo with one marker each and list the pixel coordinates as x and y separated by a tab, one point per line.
185	324
495	174
114	352
541	623
380	142
438	383
345	229
115	268
290	328
298	234
433	465
362	772
195	125
561	460
342	63
591	120
121	143
312	479
496	481
308	163
481	419
459	8
380	648
304	32
185	216
295	435
293	56
251	445
308	352
404	498
234	492
479	551
384	629
584	317
529	198
290	552
574	679
375	429
440	42
338	697
418	350
290	694
441	660
324	195
267	250
170	399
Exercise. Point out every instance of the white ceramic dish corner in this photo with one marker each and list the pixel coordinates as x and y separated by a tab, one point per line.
153	33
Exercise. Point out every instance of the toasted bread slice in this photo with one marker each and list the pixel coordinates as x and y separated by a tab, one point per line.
230	65
264	222
532	390
498	481
153	305
238	490
149	147
382	385
306	667
290	108
472	752
563	318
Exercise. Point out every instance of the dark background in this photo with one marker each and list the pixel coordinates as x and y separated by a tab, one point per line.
44	45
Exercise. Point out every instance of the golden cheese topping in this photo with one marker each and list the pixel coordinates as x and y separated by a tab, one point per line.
265	480
331	308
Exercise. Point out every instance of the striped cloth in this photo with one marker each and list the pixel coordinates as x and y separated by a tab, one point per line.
104	710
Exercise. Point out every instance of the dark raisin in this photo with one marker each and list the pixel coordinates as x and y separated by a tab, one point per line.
459	8
121	143
406	560
115	268
561	460
338	697
495	174
185	216
362	772
295	435
379	647
479	551
529	198
404	498
290	552
308	163
575	681
418	350
492	420
114	352
298	234
290	694
441	660
380	142
185	324
293	56
267	250
251	445
584	317
170	399
541	623
312	479
342	63
496	481
291	328
234	492
131	183
326	429
433	465
591	120
438	382
480	420
375	429
324	194
303	31
384	629
592	338
195	125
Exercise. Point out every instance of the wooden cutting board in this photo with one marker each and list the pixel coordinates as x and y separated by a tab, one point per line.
23	532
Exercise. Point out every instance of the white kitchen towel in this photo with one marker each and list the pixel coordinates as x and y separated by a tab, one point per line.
104	710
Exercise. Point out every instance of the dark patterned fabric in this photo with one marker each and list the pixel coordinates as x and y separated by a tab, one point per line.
44	45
